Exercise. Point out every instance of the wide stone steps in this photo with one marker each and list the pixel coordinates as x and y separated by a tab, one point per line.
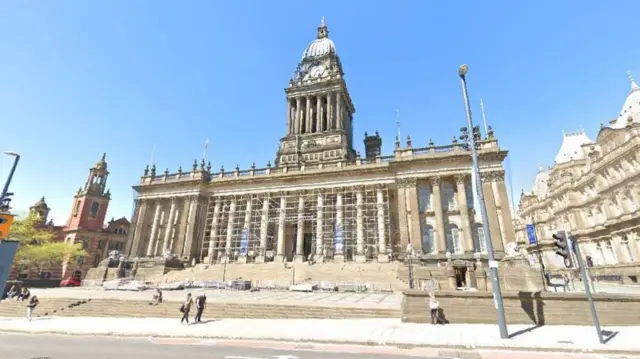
141	309
47	306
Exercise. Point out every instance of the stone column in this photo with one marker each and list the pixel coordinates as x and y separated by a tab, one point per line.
300	230
360	253
154	230
319	226
307	128
338	225
264	226
403	218
415	229
214	230
441	242
191	224
461	182
318	114
246	228
168	230
232	217
492	212
280	254
289	119
330	112
502	199
297	118
339	110
382	241
134	250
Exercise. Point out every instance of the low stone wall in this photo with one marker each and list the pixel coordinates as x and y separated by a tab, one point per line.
524	308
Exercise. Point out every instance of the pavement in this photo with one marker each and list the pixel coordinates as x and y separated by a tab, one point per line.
320	299
367	332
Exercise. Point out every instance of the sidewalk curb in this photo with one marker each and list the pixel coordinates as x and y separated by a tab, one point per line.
399	345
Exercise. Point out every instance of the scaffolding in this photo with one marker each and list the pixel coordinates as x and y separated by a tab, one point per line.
318	223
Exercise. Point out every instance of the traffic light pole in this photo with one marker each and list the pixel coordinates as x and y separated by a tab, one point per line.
587	290
10	178
542	268
493	264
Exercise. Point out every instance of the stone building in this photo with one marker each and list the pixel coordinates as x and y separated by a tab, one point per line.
592	190
321	201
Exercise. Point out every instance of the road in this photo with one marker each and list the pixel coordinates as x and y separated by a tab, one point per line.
17	346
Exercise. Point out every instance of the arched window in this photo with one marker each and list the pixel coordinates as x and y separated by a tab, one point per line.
94	209
424	198
453	239
479	243
427	239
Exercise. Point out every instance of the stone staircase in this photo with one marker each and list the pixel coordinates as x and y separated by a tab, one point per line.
379	276
47	307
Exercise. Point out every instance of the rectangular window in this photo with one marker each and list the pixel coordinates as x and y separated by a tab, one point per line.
424	198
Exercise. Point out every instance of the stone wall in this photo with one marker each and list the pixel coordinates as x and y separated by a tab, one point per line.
524	308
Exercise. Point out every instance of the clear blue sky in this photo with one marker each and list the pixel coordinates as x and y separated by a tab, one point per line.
78	78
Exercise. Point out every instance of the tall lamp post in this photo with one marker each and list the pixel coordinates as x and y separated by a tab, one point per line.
493	264
5	190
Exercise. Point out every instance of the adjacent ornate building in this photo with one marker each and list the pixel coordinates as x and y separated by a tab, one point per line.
593	191
321	200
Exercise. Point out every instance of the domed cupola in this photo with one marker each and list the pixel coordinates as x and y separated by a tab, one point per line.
321	46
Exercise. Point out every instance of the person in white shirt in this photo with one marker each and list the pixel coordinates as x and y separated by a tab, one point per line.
434	306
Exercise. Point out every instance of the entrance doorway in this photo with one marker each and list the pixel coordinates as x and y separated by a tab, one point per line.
307	246
461	276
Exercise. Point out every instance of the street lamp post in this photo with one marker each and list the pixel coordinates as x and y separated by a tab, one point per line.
8	182
493	264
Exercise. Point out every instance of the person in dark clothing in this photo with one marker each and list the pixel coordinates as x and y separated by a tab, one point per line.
185	308
24	294
201	302
33	302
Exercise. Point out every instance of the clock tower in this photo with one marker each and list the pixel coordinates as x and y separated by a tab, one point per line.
319	108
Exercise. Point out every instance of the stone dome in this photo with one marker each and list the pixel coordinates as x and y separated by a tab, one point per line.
102	164
321	46
40	204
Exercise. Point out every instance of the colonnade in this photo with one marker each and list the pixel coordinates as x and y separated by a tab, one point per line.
316	113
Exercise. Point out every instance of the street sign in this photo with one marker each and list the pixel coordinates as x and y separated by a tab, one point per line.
244	242
531	233
7	253
6	220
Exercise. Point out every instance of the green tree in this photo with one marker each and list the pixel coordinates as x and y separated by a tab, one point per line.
38	250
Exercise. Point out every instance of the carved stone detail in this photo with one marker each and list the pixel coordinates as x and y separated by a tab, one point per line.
407	182
493	176
461	179
435	181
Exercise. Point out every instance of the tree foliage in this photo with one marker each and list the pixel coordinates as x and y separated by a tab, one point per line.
38	250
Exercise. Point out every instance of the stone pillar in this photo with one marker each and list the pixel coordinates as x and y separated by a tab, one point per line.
403	218
300	230
214	230
246	228
382	227
154	231
339	224
307	128
280	254
360	253
298	117
339	110
191	226
289	117
169	229
232	217
461	182
415	230
264	226
502	199
492	212
319	226
330	112
134	250
318	114
441	242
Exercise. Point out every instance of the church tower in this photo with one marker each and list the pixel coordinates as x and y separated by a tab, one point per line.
91	201
319	108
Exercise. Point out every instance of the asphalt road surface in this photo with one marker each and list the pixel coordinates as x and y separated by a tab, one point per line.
19	346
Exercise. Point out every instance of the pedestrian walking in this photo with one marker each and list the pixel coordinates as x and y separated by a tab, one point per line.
201	302
33	303
185	308
434	306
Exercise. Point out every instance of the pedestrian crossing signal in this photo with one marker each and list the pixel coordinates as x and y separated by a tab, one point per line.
5	224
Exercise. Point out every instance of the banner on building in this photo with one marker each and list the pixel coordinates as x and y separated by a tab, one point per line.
339	240
531	233
7	253
244	242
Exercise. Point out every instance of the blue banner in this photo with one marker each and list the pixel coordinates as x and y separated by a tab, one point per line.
244	242
531	233
7	252
339	240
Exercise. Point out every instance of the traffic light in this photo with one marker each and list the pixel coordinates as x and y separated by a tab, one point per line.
564	251
5	202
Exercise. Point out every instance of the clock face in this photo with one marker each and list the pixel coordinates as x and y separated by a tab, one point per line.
317	71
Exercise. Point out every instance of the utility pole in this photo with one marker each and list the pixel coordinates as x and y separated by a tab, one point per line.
583	273
493	264
5	190
542	268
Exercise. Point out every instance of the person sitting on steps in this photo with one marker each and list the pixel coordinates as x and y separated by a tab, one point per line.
157	297
24	294
434	306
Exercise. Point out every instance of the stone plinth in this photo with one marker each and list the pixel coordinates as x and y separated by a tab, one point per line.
154	267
